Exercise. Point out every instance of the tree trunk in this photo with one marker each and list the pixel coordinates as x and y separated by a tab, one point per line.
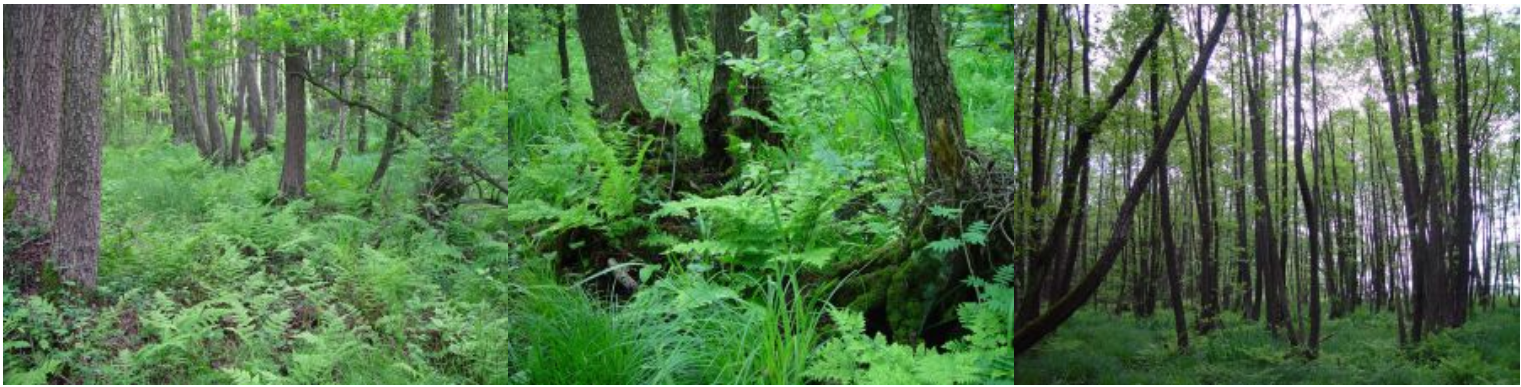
215	137
37	120
293	174
1461	253
614	95
399	83
677	15
1312	217
935	96
76	243
444	187
1036	275
1164	211
1077	163
1209	298
1026	338
564	55
730	42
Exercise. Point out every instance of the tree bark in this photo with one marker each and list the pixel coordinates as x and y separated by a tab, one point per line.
1164	210
935	96
564	56
37	120
1312	216
444	187
293	173
1464	219
1036	275
215	136
76	244
614	94
1209	283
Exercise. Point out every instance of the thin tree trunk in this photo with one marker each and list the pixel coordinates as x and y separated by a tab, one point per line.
1026	338
1312	217
399	83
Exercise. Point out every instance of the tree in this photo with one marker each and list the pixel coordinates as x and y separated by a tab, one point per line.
1462	249
1038	173
677	15
216	142
76	244
1272	283
614	96
564	54
293	173
1208	281
1077	162
249	95
1027	337
398	99
729	43
444	188
936	99
37	122
1312	217
1164	211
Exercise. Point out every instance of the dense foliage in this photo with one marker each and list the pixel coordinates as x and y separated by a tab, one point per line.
614	258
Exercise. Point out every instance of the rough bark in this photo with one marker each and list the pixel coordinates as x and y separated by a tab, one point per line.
37	120
935	96
76	243
614	94
293	173
444	187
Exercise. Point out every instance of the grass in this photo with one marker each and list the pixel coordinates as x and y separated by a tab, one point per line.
1099	348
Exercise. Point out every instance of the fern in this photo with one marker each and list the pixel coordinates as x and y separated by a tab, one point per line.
855	358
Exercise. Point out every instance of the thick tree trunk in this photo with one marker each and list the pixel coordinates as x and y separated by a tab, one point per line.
730	42
37	120
1026	338
614	94
76	243
935	96
444	186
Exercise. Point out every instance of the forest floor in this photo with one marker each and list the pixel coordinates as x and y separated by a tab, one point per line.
204	280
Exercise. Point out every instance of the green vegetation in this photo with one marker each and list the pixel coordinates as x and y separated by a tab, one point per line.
582	244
